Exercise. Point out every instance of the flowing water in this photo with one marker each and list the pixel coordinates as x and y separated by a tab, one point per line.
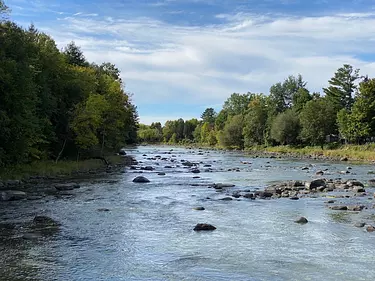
147	234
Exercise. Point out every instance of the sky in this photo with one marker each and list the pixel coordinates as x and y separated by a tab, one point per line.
179	57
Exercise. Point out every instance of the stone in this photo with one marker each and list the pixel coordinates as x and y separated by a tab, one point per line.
222	185
199	208
66	186
227	199
148	168
315	184
319	173
195	171
12	195
294	198
356	208
330	201
301	220
103	210
339	208
359	224
358	189
248	195
204	227
344	159
354	183
161	174
370	228
122	152
141	179
305	168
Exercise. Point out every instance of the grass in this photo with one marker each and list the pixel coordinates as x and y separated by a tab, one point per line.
50	168
352	152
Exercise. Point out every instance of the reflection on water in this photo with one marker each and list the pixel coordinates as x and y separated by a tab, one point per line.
147	232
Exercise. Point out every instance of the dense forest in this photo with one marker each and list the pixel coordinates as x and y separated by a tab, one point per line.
288	115
54	104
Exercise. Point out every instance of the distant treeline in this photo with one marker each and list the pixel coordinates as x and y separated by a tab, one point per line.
55	104
289	115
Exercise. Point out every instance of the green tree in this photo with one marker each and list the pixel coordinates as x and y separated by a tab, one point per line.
189	128
74	55
221	119
209	116
237	103
231	136
300	98
318	119
255	122
286	127
342	87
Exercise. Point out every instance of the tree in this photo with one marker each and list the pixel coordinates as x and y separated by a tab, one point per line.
255	121
300	98
231	136
318	119
3	9
189	128
237	104
221	119
286	127
209	116
74	55
342	87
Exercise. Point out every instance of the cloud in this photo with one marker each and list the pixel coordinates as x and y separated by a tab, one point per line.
164	62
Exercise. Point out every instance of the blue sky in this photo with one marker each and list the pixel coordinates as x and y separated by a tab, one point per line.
179	57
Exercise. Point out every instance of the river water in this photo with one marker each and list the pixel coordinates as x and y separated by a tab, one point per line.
147	234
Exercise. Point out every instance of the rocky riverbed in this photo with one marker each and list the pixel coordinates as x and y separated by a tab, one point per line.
178	212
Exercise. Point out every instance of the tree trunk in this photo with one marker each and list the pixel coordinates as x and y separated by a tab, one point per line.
61	151
101	152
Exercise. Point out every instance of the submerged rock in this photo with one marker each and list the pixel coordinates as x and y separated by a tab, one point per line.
12	195
161	174
339	208
141	179
199	208
359	224
301	220
66	186
204	227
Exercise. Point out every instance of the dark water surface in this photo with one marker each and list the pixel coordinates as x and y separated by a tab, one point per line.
148	232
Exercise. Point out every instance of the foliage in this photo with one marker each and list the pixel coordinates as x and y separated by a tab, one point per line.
286	127
237	104
231	136
342	87
318	119
54	103
209	116
255	121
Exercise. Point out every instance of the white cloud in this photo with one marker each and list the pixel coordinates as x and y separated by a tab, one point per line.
166	63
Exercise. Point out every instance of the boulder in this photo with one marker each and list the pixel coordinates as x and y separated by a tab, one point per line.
141	179
301	220
12	195
370	228
358	189
356	208
122	152
248	195
227	199
148	168
195	171
103	210
161	174
222	185
315	184
344	159
199	208
294	198
204	227
354	183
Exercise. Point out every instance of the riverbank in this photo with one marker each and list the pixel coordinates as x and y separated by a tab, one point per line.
63	169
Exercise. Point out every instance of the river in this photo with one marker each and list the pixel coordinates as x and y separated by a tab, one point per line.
147	234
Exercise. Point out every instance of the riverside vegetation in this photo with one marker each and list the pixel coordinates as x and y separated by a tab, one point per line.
55	105
289	120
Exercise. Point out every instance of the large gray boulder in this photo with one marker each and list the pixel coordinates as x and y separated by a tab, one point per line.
315	184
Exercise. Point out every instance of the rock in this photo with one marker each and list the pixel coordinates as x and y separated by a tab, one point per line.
195	171
352	183
227	199
298	183
294	198
315	184
199	208
141	179
44	221
12	183
122	152
12	195
358	189
344	159
66	186
263	194
370	228
339	208
196	177
359	224
356	208
344	172
330	201
236	195
148	168
249	196
103	210
305	168
207	166
204	227
161	174
222	185
319	173
168	167
371	182
301	220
